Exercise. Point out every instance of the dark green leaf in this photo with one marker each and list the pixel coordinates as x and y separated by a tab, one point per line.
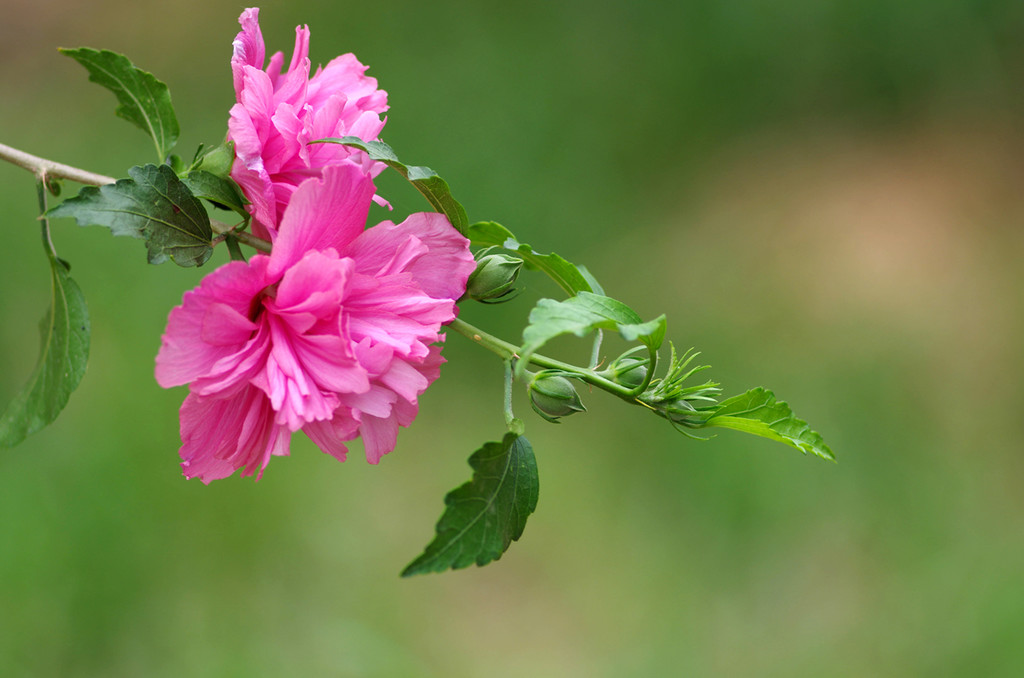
583	314
223	192
62	359
144	100
568	276
434	188
488	513
153	205
758	412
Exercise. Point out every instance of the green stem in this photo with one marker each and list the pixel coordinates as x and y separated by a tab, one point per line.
511	423
595	353
511	352
55	170
44	223
232	244
652	365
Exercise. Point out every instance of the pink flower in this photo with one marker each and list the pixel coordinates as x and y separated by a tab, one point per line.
278	114
333	334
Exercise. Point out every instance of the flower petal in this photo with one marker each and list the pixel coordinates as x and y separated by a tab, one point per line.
248	46
221	435
327	213
441	264
192	343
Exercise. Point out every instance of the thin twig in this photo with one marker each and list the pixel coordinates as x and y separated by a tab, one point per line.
38	166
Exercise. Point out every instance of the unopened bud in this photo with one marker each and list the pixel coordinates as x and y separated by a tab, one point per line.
629	371
493	278
553	396
219	160
680	411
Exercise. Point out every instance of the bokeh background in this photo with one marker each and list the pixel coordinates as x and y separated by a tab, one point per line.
825	196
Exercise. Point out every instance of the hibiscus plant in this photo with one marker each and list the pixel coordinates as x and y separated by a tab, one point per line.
332	326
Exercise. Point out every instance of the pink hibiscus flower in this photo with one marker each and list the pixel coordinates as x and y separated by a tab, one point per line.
278	114
333	334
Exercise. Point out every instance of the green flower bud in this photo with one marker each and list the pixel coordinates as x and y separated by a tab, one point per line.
493	278
176	163
680	411
53	185
629	371
219	160
553	396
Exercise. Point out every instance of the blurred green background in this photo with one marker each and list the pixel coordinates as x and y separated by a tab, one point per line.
824	196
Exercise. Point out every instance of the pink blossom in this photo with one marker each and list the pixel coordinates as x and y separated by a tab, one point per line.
278	113
335	333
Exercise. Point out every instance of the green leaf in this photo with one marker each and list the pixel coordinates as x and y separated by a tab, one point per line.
484	516
583	314
434	188
758	412
218	190
63	356
153	205
144	100
571	278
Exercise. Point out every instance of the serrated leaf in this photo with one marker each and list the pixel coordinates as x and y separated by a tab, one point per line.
433	187
581	315
570	277
758	412
153	205
223	192
488	513
64	352
144	100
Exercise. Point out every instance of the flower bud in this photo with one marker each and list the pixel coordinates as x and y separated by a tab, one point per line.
629	371
553	396
493	278
53	185
219	160
679	411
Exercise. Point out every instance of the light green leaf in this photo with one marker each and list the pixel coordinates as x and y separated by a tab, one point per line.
63	356
583	314
153	205
568	276
434	188
144	100
758	412
484	516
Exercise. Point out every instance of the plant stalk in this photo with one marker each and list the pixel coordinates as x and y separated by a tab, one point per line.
511	351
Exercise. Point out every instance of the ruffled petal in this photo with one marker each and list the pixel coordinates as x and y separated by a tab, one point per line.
322	214
440	265
211	322
331	436
407	380
280	112
379	436
221	435
346	74
248	47
393	311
